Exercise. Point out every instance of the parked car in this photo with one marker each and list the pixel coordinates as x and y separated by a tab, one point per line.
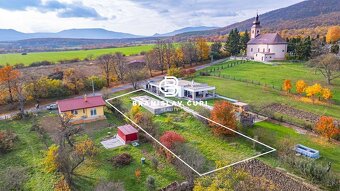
52	107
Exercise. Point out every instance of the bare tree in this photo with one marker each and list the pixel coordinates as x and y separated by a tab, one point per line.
190	52
134	76
159	51
150	61
169	54
106	62
328	65
119	65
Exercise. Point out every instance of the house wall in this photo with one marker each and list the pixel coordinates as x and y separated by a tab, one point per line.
131	137
121	135
263	57
280	50
86	113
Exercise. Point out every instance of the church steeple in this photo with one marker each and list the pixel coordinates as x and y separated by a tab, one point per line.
256	28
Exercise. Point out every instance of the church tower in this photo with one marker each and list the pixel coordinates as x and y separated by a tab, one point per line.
256	28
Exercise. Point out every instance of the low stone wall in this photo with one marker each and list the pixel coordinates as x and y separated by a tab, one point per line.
281	179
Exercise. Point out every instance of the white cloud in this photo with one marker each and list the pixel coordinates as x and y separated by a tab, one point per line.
143	17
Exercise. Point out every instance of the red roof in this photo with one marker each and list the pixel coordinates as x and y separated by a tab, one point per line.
127	129
80	103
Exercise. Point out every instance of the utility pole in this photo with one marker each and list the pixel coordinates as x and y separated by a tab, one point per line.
93	87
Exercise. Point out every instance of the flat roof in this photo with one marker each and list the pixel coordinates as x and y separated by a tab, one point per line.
188	84
151	102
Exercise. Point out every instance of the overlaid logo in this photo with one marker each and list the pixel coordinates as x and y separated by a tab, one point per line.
169	86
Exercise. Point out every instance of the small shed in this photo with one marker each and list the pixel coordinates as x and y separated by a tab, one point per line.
127	133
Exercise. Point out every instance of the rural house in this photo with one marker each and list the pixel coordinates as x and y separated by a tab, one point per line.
84	109
265	47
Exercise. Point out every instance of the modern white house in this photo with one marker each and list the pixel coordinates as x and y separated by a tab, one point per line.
265	47
186	89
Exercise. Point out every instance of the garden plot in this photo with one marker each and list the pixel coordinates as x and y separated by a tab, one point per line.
201	150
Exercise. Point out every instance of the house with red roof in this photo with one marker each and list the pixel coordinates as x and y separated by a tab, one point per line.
83	109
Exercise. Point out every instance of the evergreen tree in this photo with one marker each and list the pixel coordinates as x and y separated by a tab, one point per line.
215	50
244	40
232	44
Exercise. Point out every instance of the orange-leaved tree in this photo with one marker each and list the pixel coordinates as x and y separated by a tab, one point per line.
326	127
313	90
326	93
8	76
287	85
203	49
169	139
223	113
333	34
300	86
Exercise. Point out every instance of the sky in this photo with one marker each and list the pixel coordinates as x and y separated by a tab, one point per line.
141	17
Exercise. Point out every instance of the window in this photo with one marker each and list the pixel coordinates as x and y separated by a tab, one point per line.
251	50
283	50
264	50
269	50
93	112
83	110
258	50
74	112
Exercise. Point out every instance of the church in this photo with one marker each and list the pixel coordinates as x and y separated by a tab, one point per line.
265	47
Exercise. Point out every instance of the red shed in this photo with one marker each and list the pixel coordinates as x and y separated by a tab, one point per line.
127	133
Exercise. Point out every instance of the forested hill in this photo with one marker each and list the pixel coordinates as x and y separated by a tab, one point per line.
307	14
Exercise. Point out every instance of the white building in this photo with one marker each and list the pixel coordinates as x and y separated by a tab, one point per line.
265	47
155	106
186	89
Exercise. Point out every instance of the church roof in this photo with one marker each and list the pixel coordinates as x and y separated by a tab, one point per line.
268	38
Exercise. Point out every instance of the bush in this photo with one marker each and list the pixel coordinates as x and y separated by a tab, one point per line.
7	139
151	183
98	83
121	160
19	65
41	63
14	178
154	163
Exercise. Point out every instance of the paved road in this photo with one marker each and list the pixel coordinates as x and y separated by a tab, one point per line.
113	90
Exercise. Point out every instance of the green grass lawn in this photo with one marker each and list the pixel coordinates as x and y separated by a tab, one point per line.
28	153
12	59
329	152
258	96
276	74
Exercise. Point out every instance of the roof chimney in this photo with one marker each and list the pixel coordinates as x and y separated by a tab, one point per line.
85	98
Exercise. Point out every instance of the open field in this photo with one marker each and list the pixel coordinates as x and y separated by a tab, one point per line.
261	96
12	59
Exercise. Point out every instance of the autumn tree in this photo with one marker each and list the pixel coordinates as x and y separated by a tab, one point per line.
326	93
223	113
326	127
287	85
106	62
300	86
333	34
203	49
135	75
313	90
169	54
73	80
49	161
8	77
173	71
169	138
328	65
179	58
